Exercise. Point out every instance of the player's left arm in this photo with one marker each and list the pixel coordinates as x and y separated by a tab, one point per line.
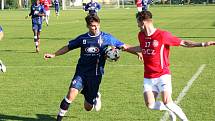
189	44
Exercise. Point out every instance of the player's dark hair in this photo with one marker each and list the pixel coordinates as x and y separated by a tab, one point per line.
91	18
143	15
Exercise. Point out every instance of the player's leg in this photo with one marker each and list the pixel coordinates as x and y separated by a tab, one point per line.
166	92
2	67
91	94
35	31
75	86
37	43
47	17
150	94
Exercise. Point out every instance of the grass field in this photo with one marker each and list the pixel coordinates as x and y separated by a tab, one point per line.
32	88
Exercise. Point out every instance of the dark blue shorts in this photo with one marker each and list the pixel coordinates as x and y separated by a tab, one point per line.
37	27
88	85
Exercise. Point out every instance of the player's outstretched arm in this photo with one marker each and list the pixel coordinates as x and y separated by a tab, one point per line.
61	51
136	50
188	43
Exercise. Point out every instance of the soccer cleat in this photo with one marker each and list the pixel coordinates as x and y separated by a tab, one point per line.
2	67
98	103
172	116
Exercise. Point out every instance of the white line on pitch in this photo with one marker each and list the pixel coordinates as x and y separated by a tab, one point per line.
186	88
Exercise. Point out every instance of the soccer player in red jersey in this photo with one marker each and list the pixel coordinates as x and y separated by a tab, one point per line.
155	47
47	4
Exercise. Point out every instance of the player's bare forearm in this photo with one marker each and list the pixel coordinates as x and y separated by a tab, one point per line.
136	50
188	43
41	14
132	49
61	51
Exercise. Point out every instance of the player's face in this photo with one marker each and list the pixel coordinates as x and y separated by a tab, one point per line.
94	28
140	24
38	2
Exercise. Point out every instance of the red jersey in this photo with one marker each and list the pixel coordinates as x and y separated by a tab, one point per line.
155	50
47	4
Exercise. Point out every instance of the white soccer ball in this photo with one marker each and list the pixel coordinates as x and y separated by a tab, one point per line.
2	67
112	54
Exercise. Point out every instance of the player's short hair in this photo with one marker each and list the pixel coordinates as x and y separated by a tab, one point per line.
91	18
143	15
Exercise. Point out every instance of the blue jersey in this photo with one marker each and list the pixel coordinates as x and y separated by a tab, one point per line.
92	7
92	56
57	5
56	2
35	10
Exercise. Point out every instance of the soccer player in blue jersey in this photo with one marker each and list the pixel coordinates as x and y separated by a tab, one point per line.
36	13
92	7
57	7
90	67
2	66
1	33
143	5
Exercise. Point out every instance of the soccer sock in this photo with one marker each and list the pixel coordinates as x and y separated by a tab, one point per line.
36	44
64	106
158	105
177	110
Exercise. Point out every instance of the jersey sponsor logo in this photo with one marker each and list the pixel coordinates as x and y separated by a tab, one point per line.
155	43
92	50
148	51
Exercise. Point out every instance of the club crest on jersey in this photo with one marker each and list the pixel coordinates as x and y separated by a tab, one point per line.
92	50
84	41
155	43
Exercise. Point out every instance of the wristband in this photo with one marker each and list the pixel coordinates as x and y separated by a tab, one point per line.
203	44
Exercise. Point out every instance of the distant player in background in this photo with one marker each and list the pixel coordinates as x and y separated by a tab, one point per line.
57	7
90	67
143	5
155	47
36	13
92	7
2	66
1	33
47	4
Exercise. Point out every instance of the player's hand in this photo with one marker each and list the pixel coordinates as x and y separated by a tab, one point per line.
140	56
47	56
210	43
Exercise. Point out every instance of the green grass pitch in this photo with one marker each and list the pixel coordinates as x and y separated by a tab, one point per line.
32	88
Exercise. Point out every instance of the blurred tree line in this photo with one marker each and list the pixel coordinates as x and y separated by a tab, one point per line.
11	4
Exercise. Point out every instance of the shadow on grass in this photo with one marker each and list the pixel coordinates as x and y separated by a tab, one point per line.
40	117
19	51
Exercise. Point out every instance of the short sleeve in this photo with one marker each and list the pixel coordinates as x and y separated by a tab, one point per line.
73	44
171	40
112	41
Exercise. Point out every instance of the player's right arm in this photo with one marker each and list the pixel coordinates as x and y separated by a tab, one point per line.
61	51
189	44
